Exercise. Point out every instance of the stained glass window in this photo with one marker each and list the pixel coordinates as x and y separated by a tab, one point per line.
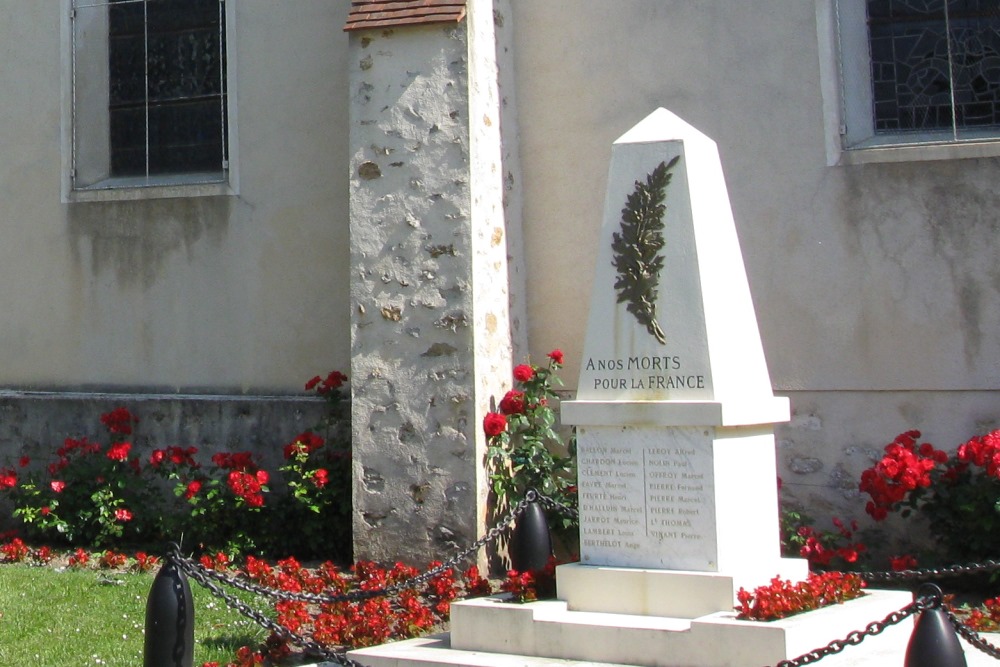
167	88
935	64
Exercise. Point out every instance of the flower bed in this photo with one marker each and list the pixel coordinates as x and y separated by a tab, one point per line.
782	598
104	494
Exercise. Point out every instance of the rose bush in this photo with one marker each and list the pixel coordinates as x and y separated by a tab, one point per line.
98	494
525	451
89	493
958	495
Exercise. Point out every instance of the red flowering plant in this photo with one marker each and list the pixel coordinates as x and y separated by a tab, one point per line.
838	549
781	597
227	502
407	613
525	451
315	512
984	617
531	585
215	503
958	494
89	493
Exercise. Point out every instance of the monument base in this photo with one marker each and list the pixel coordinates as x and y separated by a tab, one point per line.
668	593
612	616
495	633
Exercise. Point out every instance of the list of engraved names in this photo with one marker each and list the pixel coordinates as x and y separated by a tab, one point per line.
656	497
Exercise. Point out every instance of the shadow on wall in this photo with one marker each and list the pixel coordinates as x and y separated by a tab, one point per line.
135	238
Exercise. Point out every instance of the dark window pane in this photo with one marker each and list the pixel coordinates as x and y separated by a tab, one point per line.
166	66
185	137
933	65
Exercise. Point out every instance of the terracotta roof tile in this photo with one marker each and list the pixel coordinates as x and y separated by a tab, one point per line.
366	14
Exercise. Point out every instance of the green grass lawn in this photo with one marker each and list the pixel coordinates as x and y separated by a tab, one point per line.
54	618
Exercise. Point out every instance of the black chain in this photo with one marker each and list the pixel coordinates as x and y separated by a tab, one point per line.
931	573
198	574
557	506
972	636
922	603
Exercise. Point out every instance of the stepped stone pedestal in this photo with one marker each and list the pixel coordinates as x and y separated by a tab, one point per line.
676	457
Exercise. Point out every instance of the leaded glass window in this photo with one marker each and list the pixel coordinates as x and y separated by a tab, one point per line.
149	97
935	64
166	77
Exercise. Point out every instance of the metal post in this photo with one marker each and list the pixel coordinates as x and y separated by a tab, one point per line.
169	619
934	642
531	543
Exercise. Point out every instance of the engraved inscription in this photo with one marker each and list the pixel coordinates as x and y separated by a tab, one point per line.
653	501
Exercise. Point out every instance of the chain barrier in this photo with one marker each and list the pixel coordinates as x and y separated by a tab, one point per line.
923	574
212	581
985	567
367	594
551	504
199	573
973	637
857	636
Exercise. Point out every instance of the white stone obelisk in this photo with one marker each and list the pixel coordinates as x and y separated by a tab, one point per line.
675	408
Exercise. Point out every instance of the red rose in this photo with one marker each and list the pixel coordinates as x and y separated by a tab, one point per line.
262	477
523	373
512	403
494	424
122	514
192	489
904	562
333	381
57	485
119	420
24	461
320	478
556	356
119	451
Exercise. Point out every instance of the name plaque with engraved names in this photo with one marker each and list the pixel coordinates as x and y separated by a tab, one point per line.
647	500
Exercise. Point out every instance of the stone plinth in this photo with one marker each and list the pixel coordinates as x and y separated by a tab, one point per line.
491	632
674	411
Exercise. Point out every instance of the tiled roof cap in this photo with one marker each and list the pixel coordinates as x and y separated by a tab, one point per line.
367	14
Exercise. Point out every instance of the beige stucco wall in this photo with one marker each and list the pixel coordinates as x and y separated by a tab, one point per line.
876	286
237	293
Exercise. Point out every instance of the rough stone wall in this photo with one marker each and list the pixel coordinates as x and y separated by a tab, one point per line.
428	287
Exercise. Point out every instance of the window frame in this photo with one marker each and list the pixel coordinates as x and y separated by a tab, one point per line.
845	79
155	186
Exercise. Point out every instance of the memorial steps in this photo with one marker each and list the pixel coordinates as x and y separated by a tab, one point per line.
495	633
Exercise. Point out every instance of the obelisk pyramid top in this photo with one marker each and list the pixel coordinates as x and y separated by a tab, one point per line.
672	336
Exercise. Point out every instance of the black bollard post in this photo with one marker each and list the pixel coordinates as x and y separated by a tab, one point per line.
169	620
531	543
934	642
